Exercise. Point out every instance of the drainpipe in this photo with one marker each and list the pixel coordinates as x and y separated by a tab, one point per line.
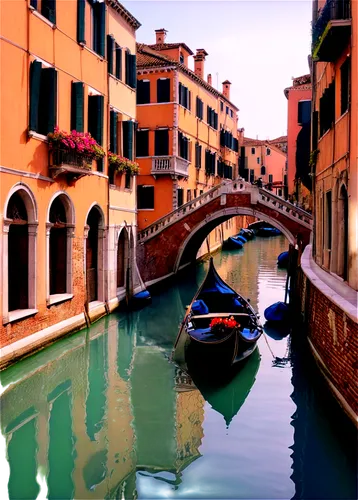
106	295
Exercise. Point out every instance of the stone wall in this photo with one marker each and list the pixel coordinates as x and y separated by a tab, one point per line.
332	334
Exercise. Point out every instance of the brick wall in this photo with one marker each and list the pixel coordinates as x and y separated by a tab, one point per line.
48	316
334	335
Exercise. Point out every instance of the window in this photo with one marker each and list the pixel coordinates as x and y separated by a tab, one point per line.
345	84
210	160
304	112
268	151
163	90
118	70
227	110
327	109
252	175
183	146
98	27
271	178
142	143
212	117
131	69
263	170
328	228
184	96
227	140
221	106
161	147
201	192
194	193
43	98
188	195
181	58
180	196
199	108
280	192
145	197
220	168
143	91
110	51
127	134
253	151
231	113
128	181
95	117
46	7
77	106
198	149
258	160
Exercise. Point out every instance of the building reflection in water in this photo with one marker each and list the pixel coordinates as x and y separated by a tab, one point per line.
93	411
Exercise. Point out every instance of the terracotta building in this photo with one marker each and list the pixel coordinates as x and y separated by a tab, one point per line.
60	265
280	143
299	97
261	159
187	130
330	267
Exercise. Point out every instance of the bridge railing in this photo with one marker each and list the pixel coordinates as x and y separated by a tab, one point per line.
267	197
189	207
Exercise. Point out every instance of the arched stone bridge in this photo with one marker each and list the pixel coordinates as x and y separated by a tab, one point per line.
173	241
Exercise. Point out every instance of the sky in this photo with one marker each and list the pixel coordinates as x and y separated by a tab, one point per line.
257	45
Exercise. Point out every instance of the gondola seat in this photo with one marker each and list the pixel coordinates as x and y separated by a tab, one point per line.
249	334
199	307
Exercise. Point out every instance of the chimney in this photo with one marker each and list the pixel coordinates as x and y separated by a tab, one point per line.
210	80
226	89
160	36
199	60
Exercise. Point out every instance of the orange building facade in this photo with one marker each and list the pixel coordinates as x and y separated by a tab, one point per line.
260	159
335	138
299	97
63	258
187	130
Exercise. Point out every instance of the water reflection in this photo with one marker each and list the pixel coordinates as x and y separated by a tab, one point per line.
103	414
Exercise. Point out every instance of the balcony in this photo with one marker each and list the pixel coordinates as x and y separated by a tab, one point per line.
170	165
69	163
331	31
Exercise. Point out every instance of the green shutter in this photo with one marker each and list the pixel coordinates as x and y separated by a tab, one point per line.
35	79
127	67
118	61
95	117
77	107
133	60
81	6
99	28
113	131
128	139
110	48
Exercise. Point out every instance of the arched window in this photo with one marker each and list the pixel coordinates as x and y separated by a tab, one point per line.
342	267
18	254
94	255
60	261
122	258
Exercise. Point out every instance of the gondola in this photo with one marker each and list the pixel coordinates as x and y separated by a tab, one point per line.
232	243
263	228
282	260
216	349
247	233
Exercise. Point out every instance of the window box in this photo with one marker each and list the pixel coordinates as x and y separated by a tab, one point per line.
71	163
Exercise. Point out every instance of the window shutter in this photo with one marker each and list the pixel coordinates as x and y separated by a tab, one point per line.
127	65
189	100
113	131
101	27
77	106
179	92
33	3
215	121
95	117
118	61
48	10
110	48
133	66
48	101
128	139
81	6
35	80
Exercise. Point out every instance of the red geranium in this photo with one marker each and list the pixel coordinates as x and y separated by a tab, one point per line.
222	325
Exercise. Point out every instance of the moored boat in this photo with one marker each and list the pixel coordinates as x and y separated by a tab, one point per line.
220	328
263	228
282	259
233	243
247	233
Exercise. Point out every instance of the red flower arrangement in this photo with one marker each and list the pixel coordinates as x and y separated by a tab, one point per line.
223	325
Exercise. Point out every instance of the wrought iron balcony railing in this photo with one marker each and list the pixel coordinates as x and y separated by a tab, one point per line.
64	161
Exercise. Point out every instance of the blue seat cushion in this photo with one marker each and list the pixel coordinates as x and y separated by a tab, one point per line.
199	307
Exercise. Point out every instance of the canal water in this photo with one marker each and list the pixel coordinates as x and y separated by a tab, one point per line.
104	414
